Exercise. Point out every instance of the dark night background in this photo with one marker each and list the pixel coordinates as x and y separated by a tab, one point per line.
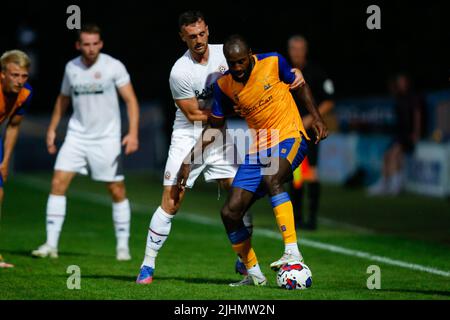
414	37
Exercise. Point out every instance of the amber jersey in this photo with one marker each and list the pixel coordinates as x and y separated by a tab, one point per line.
19	107
265	101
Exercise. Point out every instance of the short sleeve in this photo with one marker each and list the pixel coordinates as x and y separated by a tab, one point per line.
121	76
325	87
328	88
26	104
65	86
284	70
221	104
180	86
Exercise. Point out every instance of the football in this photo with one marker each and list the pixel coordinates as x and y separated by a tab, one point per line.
294	276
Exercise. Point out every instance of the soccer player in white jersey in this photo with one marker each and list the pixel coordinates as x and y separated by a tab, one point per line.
93	140
191	82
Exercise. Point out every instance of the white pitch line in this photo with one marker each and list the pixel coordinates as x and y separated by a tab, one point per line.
351	227
357	253
147	209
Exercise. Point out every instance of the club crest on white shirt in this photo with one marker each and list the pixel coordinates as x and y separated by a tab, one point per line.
222	69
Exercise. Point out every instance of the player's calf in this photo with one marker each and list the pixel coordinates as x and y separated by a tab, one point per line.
284	215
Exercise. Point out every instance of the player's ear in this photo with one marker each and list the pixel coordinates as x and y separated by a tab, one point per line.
101	44
77	45
207	31
182	36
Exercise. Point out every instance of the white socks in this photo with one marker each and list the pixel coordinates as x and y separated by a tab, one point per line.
157	234
56	212
292	248
121	217
256	271
395	183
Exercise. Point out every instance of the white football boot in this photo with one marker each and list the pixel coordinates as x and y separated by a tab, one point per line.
251	280
45	251
288	257
123	254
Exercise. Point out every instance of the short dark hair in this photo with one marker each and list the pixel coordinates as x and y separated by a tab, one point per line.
90	28
236	39
190	17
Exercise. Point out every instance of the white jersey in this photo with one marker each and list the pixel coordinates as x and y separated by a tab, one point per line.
189	79
96	113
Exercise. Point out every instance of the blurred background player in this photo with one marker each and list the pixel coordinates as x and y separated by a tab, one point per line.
260	80
93	140
15	98
322	89
409	128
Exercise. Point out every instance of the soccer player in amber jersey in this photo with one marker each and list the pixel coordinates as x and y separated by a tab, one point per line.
15	98
259	86
191	81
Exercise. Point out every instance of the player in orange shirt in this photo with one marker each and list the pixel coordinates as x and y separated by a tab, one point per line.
15	97
259	86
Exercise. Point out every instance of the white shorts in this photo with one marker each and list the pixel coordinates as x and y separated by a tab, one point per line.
102	159
213	166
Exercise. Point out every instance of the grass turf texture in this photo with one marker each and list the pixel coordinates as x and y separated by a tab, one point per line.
197	261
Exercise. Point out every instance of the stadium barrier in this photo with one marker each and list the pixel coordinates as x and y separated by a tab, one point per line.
427	171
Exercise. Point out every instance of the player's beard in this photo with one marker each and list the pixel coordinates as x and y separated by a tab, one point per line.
91	58
200	49
243	77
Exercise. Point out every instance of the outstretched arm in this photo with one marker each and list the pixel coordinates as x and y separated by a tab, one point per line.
208	136
216	121
325	107
192	111
305	96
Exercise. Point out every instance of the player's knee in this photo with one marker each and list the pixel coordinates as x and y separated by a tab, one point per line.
226	213
170	206
274	185
59	186
171	200
231	212
117	191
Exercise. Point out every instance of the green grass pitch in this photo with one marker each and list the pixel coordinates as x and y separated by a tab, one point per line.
197	261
